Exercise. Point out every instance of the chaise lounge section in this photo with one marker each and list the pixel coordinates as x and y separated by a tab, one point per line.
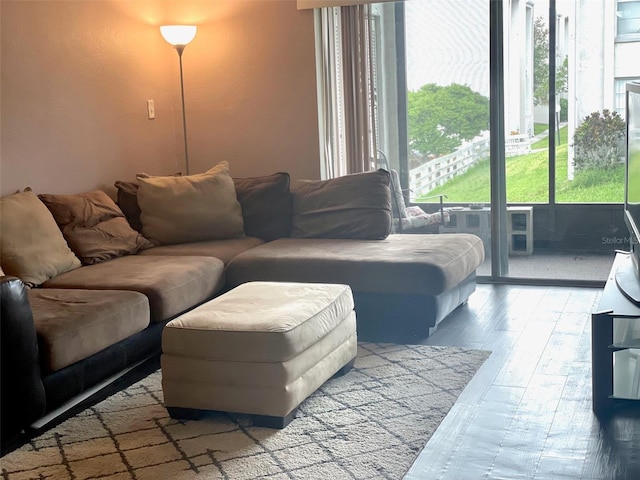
403	286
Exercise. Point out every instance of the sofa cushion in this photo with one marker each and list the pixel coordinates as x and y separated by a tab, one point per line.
266	205
353	206
225	250
172	284
401	263
190	208
94	226
31	244
73	324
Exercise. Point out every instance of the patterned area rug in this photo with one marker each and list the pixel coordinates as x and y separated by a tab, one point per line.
368	424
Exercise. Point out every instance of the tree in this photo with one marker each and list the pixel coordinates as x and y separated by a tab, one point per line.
541	65
441	118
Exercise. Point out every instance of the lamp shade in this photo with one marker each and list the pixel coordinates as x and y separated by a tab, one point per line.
178	35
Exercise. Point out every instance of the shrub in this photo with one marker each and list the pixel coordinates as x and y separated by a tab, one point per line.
599	141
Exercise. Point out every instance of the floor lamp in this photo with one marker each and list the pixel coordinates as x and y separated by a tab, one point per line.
180	36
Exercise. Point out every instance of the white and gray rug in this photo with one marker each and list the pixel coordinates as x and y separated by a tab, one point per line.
368	424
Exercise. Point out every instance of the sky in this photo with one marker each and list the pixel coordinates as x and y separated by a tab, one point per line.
448	42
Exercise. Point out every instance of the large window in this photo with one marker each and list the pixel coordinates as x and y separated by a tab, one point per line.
447	79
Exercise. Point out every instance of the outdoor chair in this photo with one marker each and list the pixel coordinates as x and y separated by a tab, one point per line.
410	219
413	219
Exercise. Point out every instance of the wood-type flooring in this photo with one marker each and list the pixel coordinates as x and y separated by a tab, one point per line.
527	413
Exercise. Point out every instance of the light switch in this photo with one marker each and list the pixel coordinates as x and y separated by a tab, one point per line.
151	109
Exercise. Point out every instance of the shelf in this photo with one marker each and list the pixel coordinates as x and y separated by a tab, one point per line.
615	346
625	346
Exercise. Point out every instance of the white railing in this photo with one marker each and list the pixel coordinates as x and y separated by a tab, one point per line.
439	171
517	145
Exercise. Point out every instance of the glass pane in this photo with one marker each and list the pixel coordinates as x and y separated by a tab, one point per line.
447	68
626	373
577	227
626	332
447	58
628	17
526	46
591	169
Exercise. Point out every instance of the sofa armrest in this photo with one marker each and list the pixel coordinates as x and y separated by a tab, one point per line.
21	390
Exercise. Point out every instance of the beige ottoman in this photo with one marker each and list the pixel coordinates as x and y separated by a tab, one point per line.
260	349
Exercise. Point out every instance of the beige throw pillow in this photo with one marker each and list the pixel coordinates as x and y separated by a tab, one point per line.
190	208
31	244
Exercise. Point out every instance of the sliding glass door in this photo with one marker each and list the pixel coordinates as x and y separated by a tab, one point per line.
504	103
511	112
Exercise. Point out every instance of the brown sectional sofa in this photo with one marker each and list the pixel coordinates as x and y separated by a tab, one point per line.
86	324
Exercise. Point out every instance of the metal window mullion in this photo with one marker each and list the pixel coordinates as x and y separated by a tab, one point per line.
552	106
499	259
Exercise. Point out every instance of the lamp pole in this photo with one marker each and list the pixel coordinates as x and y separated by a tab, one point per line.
180	49
179	36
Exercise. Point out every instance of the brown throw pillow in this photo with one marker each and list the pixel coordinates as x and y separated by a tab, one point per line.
94	226
32	247
190	208
353	206
266	205
128	202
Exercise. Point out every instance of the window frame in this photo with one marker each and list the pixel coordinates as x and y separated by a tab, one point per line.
627	37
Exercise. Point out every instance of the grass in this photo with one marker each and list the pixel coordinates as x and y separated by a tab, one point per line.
538	128
528	180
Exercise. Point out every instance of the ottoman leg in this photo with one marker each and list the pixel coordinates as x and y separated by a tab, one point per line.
179	413
346	368
268	421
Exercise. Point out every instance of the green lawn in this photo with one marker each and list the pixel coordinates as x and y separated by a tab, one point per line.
538	128
528	179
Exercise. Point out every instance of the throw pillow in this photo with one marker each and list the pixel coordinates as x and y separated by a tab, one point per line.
266	205
94	226
353	206
31	244
127	197
128	202
190	208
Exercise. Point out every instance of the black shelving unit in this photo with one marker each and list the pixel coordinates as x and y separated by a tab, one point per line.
615	347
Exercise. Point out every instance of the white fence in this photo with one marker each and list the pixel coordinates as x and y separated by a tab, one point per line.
440	170
517	145
437	172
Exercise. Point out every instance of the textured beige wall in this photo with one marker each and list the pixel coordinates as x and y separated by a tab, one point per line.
75	77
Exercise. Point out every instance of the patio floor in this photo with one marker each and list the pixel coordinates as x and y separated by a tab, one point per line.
557	265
